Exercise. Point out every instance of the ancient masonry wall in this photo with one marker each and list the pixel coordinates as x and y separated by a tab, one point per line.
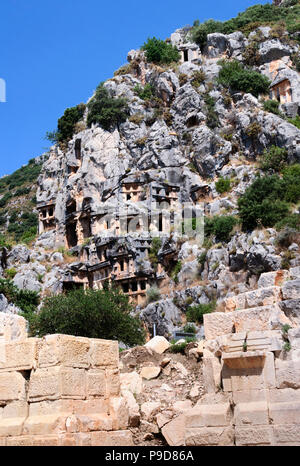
251	368
59	390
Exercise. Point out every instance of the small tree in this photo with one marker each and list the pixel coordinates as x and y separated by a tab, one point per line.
92	313
234	76
223	185
159	51
105	110
273	159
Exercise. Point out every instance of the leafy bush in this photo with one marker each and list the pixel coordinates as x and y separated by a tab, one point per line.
198	78
251	54
234	76
291	185
220	226
10	273
26	300
66	124
195	313
223	185
145	92
291	221
159	51
273	158
272	106
105	110
153	294
178	347
250	19
189	328
212	118
155	247
26	174
266	201
175	271
91	313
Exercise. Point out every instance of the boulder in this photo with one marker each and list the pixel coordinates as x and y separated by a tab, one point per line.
150	372
158	344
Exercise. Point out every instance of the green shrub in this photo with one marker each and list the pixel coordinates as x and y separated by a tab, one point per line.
153	294
198	78
249	20
200	31
178	347
251	55
144	93
66	124
202	258
291	185
234	76
175	271
155	247
290	221
273	158
223	185
220	226
91	313
105	110
159	51
266	201
212	118
26	300
10	273
195	313
189	328
272	106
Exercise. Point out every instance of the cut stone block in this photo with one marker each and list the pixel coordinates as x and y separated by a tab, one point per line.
57	382
12	327
250	396
285	413
42	425
287	434
210	436
244	359
211	374
218	323
12	386
272	278
253	435
121	438
263	296
64	350
96	382
174	431
251	413
19	355
11	426
112	382
257	318
210	415
287	373
104	353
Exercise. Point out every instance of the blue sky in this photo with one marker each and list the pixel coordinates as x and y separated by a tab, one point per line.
55	52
